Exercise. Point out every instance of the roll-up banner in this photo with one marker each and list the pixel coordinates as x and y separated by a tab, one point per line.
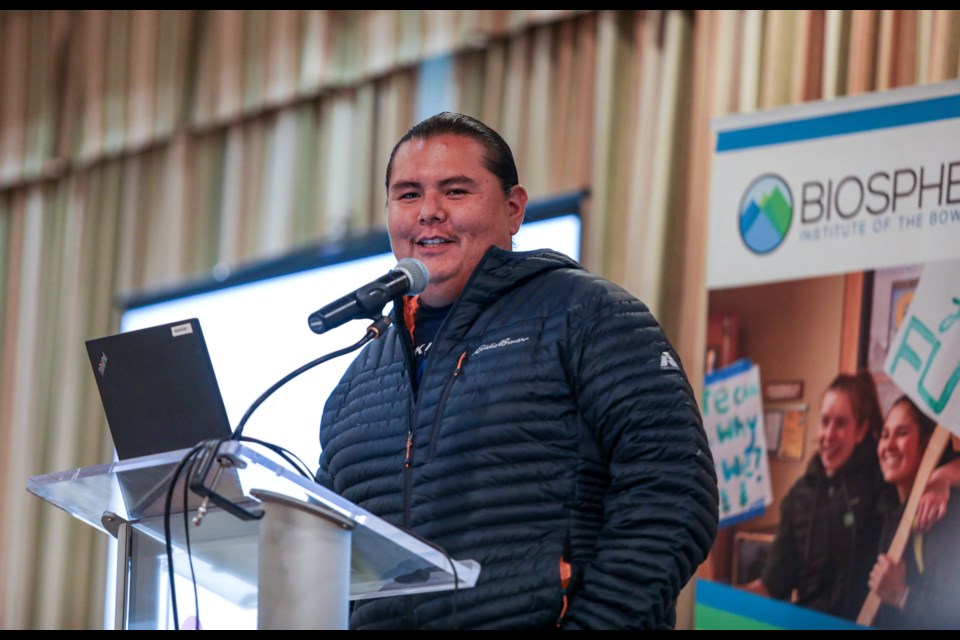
833	251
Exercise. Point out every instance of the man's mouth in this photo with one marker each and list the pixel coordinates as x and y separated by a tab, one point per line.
432	242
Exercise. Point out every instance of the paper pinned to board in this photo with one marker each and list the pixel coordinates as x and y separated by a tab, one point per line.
733	417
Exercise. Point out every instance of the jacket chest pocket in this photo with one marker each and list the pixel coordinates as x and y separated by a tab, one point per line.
442	405
487	384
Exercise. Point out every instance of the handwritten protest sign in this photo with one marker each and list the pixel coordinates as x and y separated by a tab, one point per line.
924	357
732	410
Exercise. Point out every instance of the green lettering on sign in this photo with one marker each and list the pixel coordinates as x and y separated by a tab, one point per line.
907	354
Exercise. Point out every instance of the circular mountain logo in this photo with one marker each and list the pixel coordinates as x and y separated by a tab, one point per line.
765	213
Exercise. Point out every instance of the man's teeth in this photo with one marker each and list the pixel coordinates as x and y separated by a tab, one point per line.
432	241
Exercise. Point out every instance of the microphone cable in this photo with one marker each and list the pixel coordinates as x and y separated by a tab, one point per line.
453	570
374	331
187	462
190	466
204	454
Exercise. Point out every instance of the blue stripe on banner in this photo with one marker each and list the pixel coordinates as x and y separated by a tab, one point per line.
836	124
768	610
752	512
732	369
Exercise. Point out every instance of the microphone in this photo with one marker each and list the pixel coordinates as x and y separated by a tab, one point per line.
409	277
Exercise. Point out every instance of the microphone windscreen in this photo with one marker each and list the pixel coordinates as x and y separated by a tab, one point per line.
417	272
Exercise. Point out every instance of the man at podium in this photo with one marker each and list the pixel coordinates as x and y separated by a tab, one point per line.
520	412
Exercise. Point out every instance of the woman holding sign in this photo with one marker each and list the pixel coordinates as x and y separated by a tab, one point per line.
829	522
922	590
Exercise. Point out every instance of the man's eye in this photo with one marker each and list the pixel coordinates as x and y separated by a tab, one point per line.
408	195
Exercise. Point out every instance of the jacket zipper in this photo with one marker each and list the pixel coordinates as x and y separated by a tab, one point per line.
435	431
408	453
408	463
406	340
408	459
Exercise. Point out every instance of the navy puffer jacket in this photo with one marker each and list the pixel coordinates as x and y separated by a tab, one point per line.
553	426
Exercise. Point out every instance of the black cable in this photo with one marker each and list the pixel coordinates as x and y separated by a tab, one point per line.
212	447
453	568
189	465
374	331
456	590
168	501
298	465
186	535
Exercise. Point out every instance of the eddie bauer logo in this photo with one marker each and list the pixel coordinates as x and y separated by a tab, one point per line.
765	213
496	345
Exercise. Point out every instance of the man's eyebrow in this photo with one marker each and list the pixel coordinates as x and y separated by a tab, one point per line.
455	180
403	185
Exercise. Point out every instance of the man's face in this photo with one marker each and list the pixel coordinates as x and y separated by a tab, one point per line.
446	209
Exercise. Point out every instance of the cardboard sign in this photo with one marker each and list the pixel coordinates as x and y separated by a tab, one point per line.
924	357
733	417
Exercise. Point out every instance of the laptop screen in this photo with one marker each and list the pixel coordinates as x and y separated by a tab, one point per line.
158	389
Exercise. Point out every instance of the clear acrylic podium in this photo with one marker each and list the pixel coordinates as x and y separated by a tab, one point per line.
296	567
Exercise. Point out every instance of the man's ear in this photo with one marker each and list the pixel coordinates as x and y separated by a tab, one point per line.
517	202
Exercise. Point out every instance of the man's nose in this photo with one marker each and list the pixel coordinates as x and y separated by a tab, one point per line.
432	209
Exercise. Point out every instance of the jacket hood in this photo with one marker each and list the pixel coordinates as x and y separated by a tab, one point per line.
499	272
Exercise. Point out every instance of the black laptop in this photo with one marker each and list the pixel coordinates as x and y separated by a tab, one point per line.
160	394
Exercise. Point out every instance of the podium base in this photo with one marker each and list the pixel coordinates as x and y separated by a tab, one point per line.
304	565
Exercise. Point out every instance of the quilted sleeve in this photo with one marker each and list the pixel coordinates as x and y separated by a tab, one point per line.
661	504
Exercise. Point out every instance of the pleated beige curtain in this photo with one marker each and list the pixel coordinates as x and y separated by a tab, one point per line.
139	148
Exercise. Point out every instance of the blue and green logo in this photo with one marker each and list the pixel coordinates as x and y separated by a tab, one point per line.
766	211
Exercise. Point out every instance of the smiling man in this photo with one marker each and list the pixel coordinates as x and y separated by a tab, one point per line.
446	210
518	413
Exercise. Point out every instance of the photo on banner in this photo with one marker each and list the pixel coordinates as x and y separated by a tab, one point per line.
834	253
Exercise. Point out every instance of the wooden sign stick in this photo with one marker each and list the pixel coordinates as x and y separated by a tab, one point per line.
938	442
